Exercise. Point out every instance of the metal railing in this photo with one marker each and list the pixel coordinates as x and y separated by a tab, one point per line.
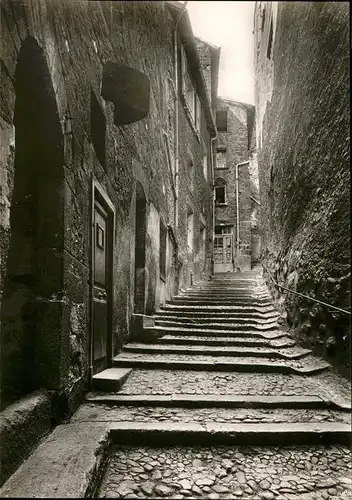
305	296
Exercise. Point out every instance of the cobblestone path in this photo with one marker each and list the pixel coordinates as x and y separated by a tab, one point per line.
229	472
219	358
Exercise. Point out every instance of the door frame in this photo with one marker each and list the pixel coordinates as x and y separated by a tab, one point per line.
98	193
222	236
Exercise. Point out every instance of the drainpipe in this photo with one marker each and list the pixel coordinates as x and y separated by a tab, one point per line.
213	195
238	214
176	112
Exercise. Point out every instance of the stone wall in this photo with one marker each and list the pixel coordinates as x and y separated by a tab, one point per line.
302	94
47	210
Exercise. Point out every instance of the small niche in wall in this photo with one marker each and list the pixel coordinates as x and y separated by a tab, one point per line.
97	128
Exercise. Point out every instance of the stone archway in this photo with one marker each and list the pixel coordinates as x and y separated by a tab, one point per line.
31	314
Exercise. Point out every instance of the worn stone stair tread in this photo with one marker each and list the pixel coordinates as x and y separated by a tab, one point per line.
289	353
215	314
213	319
222	326
244	341
216	307
307	366
245	433
220	302
216	401
110	378
213	333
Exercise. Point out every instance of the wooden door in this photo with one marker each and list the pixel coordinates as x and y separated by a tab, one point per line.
101	286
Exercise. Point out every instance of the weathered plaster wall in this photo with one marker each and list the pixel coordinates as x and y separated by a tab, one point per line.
304	167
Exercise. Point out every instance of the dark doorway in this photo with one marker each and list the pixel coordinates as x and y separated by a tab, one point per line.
140	234
34	269
102	253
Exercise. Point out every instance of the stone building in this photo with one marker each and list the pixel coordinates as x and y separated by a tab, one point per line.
302	126
237	240
106	197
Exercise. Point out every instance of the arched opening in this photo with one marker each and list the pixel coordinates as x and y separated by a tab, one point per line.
140	235
220	191
34	265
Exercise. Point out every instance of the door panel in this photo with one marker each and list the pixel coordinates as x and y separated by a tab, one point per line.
101	286
223	252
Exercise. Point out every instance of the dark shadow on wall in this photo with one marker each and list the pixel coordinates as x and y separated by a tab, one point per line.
34	263
140	245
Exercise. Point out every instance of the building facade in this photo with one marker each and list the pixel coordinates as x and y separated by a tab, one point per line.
106	193
302	129
237	239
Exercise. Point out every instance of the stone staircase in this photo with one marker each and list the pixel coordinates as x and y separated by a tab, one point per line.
218	369
226	335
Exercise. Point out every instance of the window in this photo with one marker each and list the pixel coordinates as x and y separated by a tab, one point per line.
223	229
162	250
221	120
221	158
205	167
190	229
202	239
220	191
263	19
191	99
191	174
97	128
270	41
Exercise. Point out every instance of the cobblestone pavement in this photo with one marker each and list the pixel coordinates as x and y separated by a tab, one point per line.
190	382
254	473
90	412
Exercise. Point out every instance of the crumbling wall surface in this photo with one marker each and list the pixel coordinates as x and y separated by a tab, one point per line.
304	171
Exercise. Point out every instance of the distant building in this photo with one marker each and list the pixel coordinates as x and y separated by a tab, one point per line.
106	185
302	93
237	240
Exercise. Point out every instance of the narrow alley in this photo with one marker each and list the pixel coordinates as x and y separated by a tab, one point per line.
175	272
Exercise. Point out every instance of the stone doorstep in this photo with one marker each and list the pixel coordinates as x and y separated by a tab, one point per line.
149	363
213	351
217	401
69	462
110	379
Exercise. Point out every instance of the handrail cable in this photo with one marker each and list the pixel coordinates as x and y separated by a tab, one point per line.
306	296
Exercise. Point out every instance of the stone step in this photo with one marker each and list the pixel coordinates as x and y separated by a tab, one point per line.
218	301
228	341
223	294
216	308
245	326
110	379
158	331
165	313
257	352
307	366
224	433
216	319
217	401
